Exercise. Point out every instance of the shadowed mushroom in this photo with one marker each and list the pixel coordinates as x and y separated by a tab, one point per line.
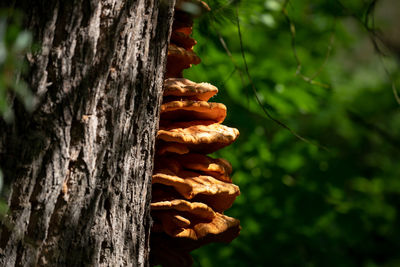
170	163
183	22
182	39
164	193
179	59
171	147
183	56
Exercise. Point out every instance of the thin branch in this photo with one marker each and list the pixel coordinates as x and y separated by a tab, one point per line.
369	14
374	128
373	34
328	53
256	93
229	76
228	52
294	48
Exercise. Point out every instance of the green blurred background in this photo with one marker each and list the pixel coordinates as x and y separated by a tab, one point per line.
300	204
15	42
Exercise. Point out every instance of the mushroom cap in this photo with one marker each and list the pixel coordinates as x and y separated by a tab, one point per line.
187	110
179	26
184	56
171	147
181	87
197	137
182	39
217	168
197	209
202	162
179	59
183	22
170	220
221	228
217	194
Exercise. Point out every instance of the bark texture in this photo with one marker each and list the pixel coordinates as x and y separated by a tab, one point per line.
80	166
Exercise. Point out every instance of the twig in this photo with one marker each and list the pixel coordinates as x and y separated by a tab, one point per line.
374	37
256	94
299	65
379	131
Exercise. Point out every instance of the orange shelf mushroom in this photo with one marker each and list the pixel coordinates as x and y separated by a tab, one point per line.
176	88
189	110
190	189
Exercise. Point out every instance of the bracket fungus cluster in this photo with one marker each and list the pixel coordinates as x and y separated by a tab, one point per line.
191	190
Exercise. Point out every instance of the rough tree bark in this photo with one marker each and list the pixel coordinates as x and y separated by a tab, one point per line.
81	164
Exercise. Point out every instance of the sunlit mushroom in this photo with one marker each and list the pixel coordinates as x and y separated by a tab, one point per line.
197	209
217	168
189	110
221	228
215	193
199	138
181	88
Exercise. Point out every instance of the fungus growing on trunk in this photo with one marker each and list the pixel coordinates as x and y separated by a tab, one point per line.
190	189
190	110
199	138
202	164
181	87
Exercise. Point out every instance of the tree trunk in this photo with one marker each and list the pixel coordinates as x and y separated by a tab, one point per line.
81	164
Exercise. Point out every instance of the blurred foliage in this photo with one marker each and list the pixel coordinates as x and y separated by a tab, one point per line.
301	205
15	42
